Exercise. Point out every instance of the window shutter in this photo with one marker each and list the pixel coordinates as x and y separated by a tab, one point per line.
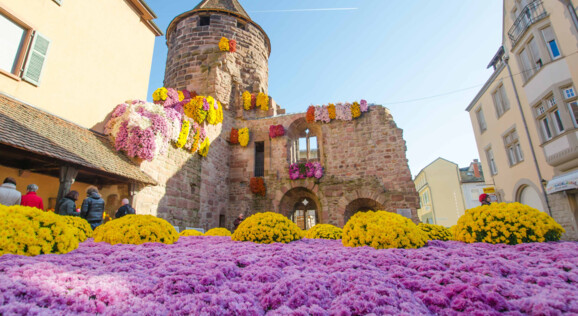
548	34
36	58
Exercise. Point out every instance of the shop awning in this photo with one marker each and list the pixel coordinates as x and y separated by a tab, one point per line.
563	182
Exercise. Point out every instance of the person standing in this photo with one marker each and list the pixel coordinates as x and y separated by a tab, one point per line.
31	199
8	194
67	205
92	208
238	221
125	209
485	199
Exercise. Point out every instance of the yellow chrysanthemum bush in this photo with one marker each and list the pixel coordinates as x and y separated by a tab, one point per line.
508	223
381	230
218	232
266	228
190	232
83	231
324	231
435	232
29	231
136	230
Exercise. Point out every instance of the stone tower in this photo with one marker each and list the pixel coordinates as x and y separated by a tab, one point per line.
195	63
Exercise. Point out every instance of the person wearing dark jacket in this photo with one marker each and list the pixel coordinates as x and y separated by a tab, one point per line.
67	205
238	221
92	208
125	209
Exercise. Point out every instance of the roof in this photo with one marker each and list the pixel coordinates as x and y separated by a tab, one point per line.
232	6
147	15
467	174
32	130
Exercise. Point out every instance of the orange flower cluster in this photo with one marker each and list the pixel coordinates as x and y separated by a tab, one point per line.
332	111
234	136
258	186
232	46
310	116
355	110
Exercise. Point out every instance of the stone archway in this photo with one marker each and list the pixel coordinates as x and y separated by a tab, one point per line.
301	206
361	205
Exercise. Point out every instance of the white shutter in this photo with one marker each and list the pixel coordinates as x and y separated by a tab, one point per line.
36	59
548	34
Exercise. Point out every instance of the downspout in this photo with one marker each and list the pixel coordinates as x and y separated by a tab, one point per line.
506	60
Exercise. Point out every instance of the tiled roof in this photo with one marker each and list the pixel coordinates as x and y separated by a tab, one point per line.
225	5
25	127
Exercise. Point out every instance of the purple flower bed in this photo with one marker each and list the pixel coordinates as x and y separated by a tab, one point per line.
215	276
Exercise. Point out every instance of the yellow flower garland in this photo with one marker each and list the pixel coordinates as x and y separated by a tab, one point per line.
219	113
204	151
244	137
355	110
263	101
266	228
218	232
181	95
247	100
29	231
324	231
224	44
194	109
160	94
508	223
381	230
136	230
184	134
212	113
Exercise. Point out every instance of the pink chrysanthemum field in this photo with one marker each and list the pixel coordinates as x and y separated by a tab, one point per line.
216	276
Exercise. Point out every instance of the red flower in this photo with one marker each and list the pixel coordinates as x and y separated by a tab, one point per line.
310	117
232	46
276	131
234	136
257	186
253	101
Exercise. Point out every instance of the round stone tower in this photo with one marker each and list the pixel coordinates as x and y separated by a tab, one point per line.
195	62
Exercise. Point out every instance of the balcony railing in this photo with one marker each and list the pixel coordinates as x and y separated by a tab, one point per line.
531	14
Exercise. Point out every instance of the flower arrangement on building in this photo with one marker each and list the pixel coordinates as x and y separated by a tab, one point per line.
247	97
244	137
29	231
507	223
184	134
303	170
331	111
267	228
205	145
355	110
435	232
310	115
276	131
232	46
381	230
257	185
224	44
136	230
234	138
263	101
190	232
219	231
322	114
324	231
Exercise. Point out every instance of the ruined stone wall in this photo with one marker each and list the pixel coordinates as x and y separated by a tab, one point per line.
194	61
364	160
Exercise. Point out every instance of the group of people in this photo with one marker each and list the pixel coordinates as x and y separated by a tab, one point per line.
92	208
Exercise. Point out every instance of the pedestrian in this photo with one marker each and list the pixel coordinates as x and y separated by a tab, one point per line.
8	194
125	209
485	199
238	221
31	199
67	205
92	208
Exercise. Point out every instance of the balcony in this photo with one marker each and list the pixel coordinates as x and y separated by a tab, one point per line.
531	14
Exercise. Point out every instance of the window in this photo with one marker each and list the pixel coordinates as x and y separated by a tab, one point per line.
573	107
491	161
481	119
527	68
547	133
550	118
557	121
259	159
205	20
307	147
241	25
550	40
16	39
535	54
500	101
569	92
513	148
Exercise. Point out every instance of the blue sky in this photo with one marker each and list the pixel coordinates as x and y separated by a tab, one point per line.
389	52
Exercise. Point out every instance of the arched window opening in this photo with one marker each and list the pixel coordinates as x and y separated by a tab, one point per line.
304	214
305	148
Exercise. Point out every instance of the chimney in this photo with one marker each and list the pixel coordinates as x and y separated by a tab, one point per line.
476	168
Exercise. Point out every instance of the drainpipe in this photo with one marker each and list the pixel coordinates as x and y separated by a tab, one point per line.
506	60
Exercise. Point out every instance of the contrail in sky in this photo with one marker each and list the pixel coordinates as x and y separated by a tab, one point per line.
306	10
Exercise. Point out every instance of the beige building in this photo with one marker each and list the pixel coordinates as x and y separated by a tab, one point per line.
64	65
525	118
446	191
